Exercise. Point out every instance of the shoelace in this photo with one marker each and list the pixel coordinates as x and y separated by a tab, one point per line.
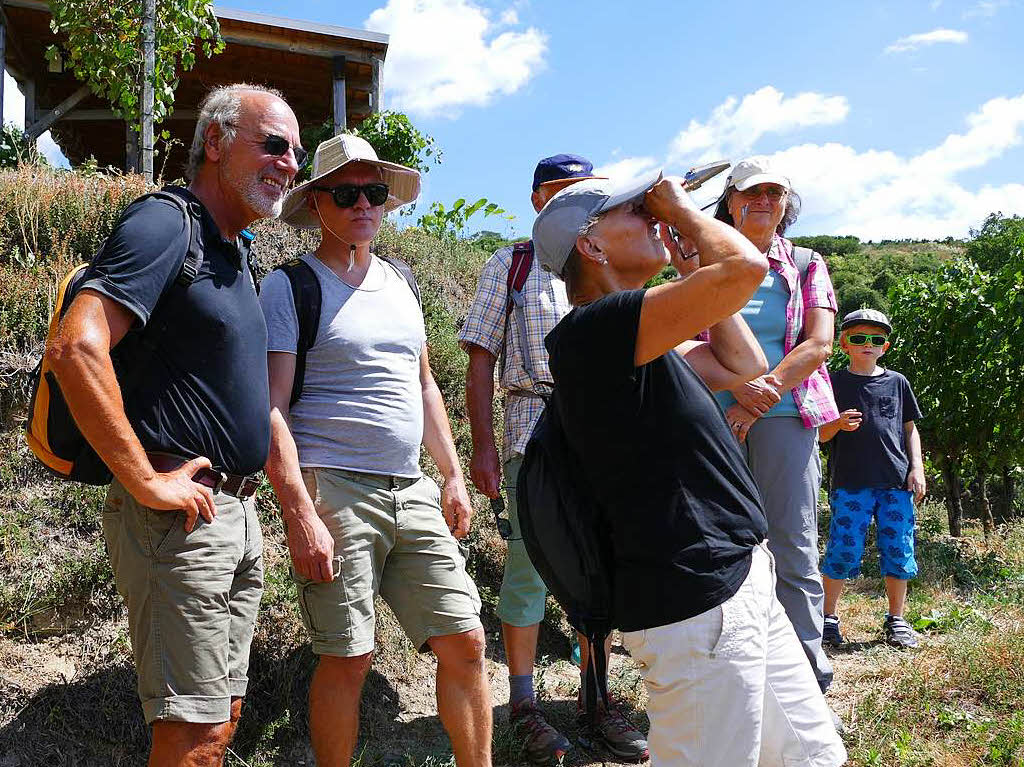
533	722
618	721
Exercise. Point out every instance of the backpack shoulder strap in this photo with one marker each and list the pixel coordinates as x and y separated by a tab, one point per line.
307	297
522	262
802	258
515	302
406	271
193	222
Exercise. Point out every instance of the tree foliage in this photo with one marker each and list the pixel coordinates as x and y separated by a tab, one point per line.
957	337
449	223
15	149
101	43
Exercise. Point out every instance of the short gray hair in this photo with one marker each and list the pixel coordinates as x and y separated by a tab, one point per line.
222	105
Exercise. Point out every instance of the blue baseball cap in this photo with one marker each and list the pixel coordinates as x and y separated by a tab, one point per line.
561	166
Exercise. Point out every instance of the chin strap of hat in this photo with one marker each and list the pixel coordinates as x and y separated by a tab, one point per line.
351	245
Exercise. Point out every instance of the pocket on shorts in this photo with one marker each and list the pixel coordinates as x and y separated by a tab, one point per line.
317	600
162	527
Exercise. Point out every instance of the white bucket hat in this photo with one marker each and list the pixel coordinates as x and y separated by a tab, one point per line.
403	183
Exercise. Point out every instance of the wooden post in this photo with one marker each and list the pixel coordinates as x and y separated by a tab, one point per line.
3	67
29	87
148	76
339	95
377	89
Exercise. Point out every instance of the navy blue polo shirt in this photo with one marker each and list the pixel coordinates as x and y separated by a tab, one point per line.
205	390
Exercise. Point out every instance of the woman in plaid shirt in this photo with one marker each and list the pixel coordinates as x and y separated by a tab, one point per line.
777	415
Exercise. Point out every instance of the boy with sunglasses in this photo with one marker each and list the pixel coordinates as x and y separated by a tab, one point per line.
877	473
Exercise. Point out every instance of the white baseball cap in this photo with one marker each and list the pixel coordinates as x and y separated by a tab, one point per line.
754	171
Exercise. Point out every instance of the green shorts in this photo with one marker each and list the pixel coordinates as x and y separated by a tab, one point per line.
523	593
192	600
391	539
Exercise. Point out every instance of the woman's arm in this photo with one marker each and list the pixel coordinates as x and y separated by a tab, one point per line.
809	354
731	269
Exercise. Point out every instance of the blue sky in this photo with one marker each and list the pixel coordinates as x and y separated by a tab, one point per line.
893	119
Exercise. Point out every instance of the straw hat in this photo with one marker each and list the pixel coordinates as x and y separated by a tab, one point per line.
403	183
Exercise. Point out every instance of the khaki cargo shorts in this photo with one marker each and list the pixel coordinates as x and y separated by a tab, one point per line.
192	600
391	539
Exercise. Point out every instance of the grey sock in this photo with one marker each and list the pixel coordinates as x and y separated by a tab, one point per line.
520	687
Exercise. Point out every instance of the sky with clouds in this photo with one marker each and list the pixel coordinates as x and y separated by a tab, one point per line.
894	120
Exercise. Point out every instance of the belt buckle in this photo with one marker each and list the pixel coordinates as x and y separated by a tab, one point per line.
219	484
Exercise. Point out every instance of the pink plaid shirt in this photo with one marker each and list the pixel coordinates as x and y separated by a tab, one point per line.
813	397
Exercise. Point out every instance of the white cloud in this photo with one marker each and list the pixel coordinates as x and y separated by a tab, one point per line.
922	39
447	54
873	193
878	194
628	168
735	126
986	8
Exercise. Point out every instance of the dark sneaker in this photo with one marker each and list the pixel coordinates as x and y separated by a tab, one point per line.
898	632
542	743
614	732
830	634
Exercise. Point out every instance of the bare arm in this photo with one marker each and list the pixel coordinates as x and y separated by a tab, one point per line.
730	271
437	438
809	354
309	541
484	469
848	420
720	374
79	356
915	479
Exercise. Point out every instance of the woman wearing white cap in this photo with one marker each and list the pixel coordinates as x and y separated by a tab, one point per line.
778	414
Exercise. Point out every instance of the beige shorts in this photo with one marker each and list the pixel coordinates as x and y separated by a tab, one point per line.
389	539
192	600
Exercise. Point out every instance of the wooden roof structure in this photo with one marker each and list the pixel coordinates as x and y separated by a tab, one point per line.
327	74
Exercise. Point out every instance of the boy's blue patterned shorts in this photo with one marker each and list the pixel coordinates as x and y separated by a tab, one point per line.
852	512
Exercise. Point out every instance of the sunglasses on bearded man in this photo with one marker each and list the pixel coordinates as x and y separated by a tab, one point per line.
278	146
346	195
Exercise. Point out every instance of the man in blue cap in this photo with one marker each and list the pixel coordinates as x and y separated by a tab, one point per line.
515	306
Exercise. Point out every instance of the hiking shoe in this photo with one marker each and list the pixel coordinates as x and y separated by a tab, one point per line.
898	632
541	743
830	633
613	731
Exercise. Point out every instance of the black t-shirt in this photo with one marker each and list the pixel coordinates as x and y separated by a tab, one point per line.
205	389
875	455
682	508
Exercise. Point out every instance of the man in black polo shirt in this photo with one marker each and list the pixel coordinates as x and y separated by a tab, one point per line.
180	522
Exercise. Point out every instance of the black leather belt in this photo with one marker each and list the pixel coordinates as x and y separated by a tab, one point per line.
241	486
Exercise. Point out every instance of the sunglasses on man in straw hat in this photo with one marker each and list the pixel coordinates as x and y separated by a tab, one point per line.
399	185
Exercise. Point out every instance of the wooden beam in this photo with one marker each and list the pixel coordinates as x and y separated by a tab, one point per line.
12	40
41	125
307	47
108	114
340	118
377	86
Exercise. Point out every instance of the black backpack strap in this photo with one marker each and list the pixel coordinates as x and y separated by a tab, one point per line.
307	297
406	271
152	335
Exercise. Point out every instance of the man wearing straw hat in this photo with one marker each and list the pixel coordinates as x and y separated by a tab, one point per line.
361	517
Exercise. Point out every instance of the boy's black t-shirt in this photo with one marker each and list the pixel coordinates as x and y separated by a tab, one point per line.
681	506
205	390
875	455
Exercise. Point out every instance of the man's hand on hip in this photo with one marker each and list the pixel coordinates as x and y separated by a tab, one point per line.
311	546
485	472
175	491
455	506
